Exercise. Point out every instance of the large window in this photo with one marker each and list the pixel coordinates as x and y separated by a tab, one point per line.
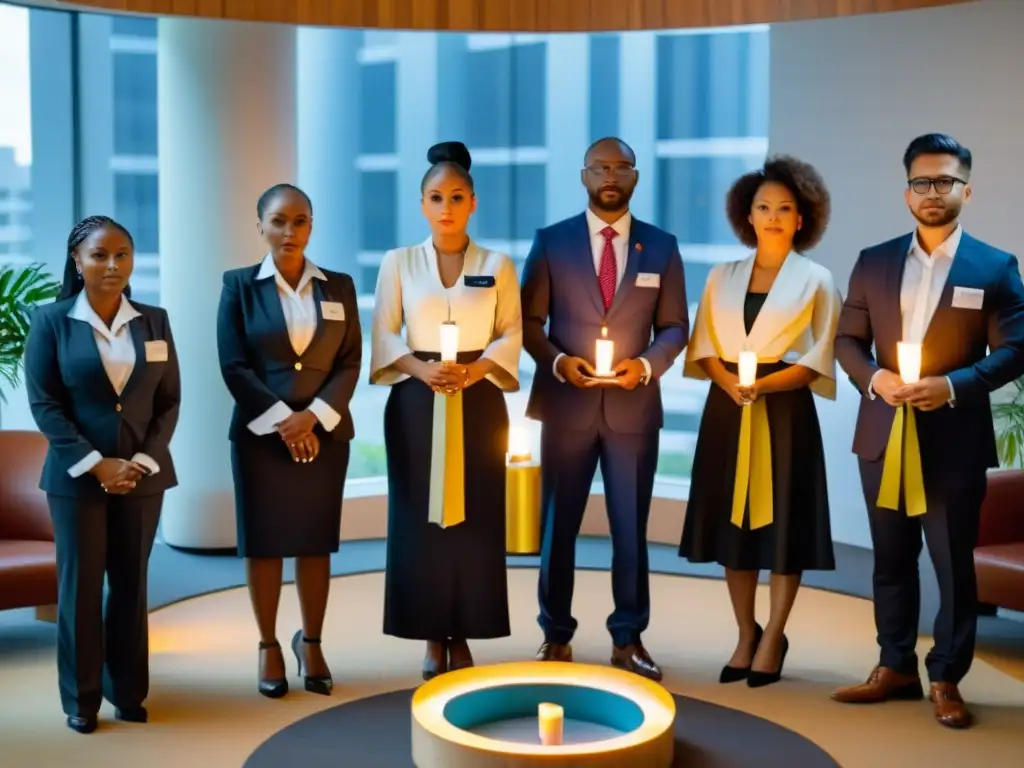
15	138
693	104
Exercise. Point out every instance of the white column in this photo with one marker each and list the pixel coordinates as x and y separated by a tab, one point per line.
227	129
328	123
568	123
638	115
417	127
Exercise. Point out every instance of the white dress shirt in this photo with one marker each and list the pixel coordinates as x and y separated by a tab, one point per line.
924	279
117	353
620	244
299	308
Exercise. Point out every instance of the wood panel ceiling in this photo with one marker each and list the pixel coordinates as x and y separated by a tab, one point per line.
508	15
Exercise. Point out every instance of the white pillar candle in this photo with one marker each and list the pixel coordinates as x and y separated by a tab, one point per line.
748	368
449	342
549	721
908	355
604	349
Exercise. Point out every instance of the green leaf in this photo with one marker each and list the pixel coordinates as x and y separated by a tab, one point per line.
21	290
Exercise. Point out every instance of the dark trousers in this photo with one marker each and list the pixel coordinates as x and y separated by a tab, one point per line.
950	528
628	463
103	654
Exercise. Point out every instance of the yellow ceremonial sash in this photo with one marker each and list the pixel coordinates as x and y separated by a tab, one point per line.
753	468
447	463
903	462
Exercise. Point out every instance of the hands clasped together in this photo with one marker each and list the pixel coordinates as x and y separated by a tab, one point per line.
118	476
578	372
297	433
449	378
927	394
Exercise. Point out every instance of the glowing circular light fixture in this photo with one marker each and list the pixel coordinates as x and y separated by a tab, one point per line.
475	718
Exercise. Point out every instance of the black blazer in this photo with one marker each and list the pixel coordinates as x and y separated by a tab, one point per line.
980	350
258	363
79	412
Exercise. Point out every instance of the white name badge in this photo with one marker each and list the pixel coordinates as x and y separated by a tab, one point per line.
648	280
968	298
332	310
156	351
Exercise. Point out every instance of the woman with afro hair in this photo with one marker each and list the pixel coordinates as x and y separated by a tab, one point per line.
758	498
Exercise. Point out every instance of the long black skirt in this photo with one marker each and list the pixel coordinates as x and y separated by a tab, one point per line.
285	508
800	536
445	582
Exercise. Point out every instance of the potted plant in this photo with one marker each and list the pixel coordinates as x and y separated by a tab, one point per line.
1008	417
21	289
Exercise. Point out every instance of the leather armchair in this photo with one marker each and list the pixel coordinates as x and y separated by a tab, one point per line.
28	557
999	554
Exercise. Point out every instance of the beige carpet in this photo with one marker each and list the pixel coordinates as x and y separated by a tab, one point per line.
206	712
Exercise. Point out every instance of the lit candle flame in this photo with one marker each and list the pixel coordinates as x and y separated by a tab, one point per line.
518	445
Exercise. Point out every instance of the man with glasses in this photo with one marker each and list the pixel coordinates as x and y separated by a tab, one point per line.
601	276
962	301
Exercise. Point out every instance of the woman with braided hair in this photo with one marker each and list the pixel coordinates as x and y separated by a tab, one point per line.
104	389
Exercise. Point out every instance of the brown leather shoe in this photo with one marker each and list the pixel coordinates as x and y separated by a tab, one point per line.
435	661
883	684
634	658
554	652
950	709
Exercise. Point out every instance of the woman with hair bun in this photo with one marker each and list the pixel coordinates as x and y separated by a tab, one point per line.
446	423
758	499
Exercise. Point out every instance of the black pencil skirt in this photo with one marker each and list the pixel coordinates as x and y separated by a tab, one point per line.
285	508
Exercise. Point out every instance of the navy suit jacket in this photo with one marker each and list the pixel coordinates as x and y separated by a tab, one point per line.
561	291
979	350
258	363
77	409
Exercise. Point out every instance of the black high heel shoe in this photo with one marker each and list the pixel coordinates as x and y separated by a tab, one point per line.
760	679
276	687
735	674
322	684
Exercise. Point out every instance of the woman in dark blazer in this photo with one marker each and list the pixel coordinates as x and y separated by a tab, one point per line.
103	386
290	349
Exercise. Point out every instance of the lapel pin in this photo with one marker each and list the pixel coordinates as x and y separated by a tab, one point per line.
638	247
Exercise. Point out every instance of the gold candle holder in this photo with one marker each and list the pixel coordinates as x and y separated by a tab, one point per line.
522	498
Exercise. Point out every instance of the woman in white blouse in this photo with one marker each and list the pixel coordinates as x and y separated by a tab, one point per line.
104	388
290	347
758	497
446	424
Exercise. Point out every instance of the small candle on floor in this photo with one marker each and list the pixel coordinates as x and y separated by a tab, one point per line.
549	720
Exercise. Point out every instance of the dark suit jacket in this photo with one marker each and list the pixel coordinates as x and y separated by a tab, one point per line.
258	363
561	291
956	344
79	412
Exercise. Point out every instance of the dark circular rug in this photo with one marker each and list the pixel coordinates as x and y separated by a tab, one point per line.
376	733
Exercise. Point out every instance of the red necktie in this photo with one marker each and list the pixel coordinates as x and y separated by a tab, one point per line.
608	272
